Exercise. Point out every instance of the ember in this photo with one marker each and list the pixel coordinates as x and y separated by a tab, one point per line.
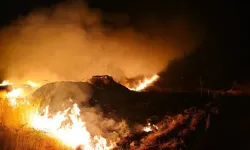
150	127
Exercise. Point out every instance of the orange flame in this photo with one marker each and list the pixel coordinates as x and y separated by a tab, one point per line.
150	127
32	84
5	82
13	95
147	128
144	83
72	133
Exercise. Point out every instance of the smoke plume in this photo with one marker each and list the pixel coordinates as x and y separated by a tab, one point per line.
69	42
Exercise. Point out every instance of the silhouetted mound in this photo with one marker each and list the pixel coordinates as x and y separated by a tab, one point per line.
61	95
114	99
184	120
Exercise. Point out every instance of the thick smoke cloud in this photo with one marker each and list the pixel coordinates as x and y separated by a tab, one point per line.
69	42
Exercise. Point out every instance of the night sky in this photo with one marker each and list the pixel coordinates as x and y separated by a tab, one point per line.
220	58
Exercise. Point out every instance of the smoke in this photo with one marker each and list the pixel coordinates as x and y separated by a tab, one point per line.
109	128
69	42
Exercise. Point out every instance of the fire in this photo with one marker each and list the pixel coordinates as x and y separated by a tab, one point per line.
147	128
66	125
13	95
72	134
32	84
4	83
150	127
144	83
16	93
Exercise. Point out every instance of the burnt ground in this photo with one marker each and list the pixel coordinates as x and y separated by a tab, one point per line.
227	128
230	128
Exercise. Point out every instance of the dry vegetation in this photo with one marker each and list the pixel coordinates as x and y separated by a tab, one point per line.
15	133
173	131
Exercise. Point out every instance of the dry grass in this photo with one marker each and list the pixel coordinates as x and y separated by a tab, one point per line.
15	132
27	139
181	126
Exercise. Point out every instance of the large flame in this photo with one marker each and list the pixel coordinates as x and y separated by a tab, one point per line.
72	134
66	125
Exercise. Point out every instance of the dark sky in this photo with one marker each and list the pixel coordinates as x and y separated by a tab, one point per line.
222	55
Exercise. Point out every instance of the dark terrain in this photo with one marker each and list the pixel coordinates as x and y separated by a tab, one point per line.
230	128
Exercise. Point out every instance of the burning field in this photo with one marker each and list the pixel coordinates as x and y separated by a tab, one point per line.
76	79
32	117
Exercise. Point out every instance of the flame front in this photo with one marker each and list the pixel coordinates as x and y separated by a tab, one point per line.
143	83
66	125
72	134
32	84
